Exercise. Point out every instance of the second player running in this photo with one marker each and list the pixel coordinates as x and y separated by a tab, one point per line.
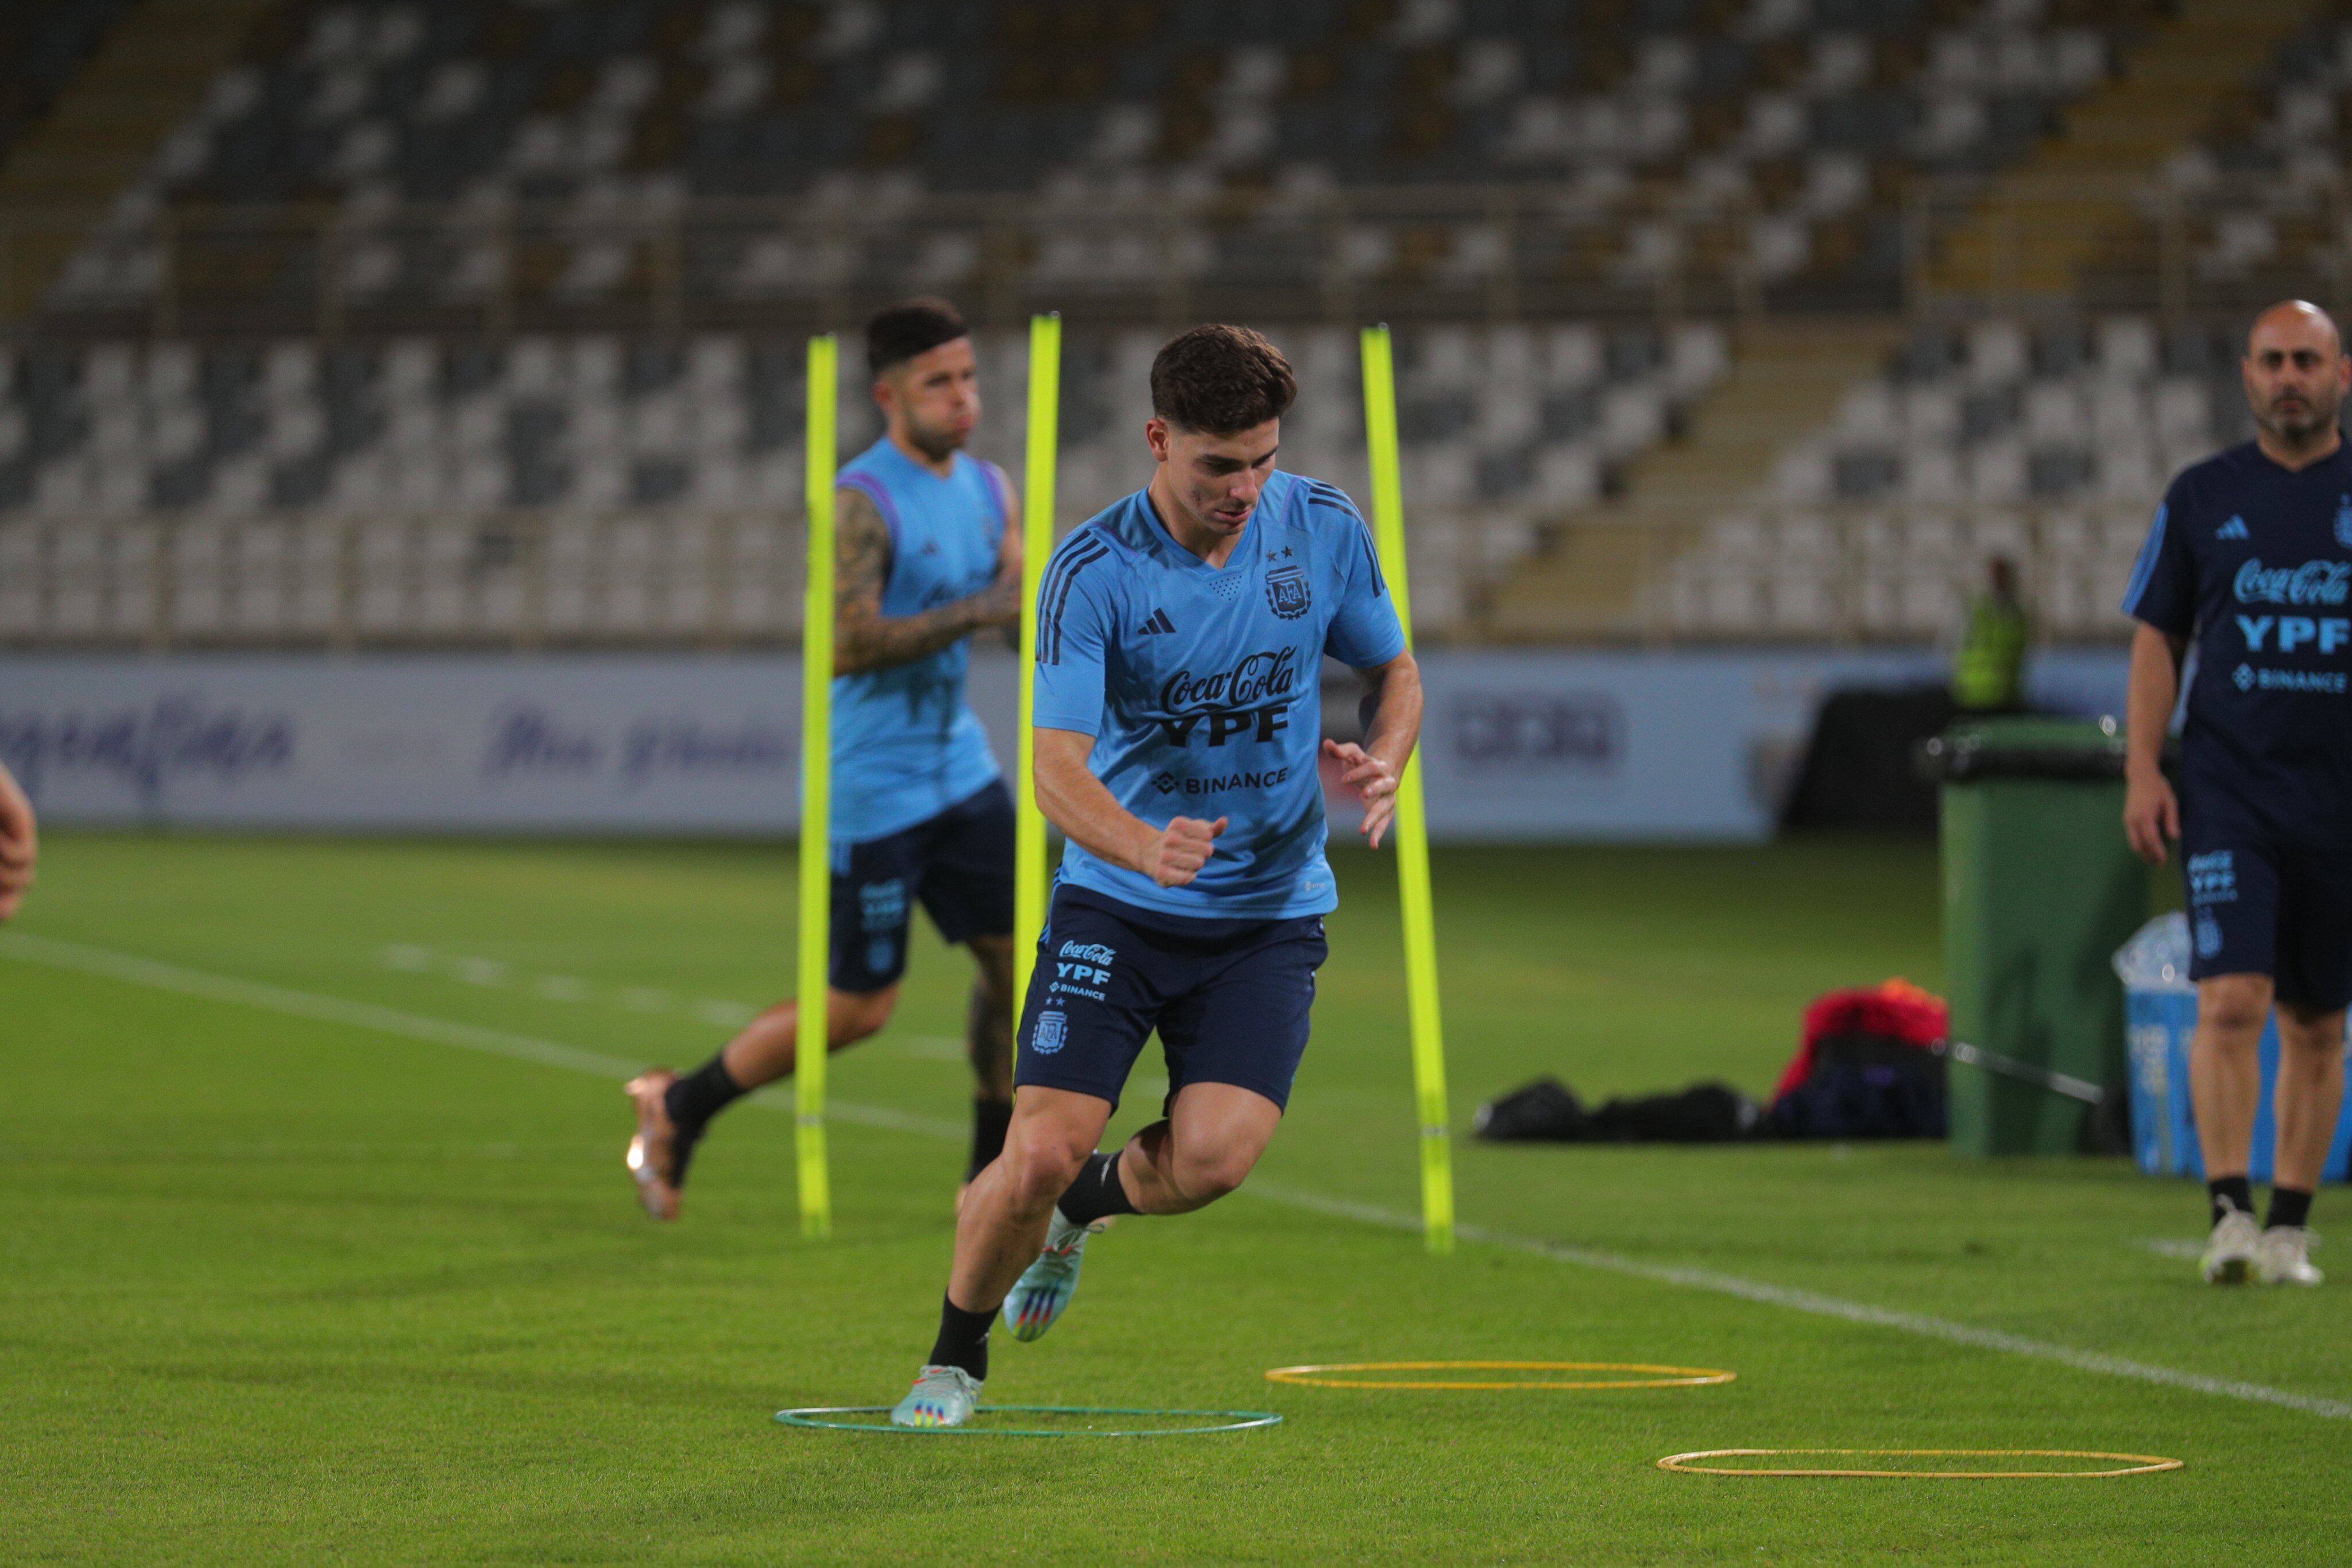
930	552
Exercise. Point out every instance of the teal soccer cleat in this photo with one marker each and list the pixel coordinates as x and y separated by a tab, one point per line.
1042	1292
942	1396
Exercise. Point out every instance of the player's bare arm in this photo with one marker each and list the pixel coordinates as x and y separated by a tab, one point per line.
1373	769
866	639
1075	801
20	845
2151	810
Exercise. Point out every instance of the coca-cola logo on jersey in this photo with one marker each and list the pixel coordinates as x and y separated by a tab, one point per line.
1256	678
2312	582
1250	701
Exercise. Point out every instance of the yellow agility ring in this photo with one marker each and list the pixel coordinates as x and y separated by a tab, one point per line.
2131	1464
1648	1377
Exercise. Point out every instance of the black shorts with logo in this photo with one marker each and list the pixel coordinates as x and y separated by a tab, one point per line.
959	864
1230	998
2259	906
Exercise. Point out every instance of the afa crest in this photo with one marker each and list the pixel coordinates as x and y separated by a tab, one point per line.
1285	590
1051	1032
2344	521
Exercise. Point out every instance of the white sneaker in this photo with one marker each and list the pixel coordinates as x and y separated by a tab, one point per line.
2229	1251
2283	1256
1042	1292
942	1396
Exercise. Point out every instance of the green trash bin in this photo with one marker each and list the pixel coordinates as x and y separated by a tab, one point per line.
2040	889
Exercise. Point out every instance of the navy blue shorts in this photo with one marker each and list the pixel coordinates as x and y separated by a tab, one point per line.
2260	907
1229	998
958	863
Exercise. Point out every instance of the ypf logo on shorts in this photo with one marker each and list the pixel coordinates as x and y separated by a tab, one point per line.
1051	1033
882	905
2213	877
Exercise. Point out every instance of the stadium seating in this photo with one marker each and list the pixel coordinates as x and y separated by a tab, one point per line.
432	295
2049	446
2256	210
542	152
458	465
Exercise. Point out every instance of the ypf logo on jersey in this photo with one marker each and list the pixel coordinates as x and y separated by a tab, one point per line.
1252	699
1286	591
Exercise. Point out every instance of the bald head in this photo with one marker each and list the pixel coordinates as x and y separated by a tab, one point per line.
2296	376
2295	322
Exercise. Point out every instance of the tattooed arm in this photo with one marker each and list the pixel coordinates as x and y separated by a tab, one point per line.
866	639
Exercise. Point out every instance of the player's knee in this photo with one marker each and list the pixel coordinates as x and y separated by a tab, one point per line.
1207	1175
1042	1160
2316	1036
2232	1007
858	1015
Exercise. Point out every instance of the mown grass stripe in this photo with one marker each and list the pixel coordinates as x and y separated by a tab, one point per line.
102	962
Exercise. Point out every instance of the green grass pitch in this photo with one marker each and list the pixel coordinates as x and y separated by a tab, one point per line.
290	1279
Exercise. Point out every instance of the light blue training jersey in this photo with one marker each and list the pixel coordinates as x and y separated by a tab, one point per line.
1203	685
906	743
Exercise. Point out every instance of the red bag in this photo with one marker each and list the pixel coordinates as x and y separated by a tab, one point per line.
1895	1010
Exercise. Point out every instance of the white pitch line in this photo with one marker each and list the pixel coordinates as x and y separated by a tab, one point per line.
1827	1306
392	1020
524	1047
403	958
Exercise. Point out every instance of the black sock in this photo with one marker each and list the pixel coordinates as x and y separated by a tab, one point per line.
2232	1191
2289	1206
701	1094
963	1339
989	1120
1097	1192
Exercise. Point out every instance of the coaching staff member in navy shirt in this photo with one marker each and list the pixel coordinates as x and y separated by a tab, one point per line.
2251	558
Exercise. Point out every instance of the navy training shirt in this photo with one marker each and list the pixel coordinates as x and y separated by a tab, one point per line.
1203	686
2254	563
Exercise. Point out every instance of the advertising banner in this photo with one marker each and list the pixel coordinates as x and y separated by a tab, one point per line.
1518	745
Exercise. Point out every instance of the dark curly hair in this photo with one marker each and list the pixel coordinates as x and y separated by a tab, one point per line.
1218	381
896	333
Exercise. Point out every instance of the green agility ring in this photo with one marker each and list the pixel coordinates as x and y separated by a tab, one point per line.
1225	1421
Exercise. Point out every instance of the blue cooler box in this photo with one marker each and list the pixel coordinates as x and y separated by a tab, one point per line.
2160	1017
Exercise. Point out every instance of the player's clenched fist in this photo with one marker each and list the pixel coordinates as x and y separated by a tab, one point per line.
1179	851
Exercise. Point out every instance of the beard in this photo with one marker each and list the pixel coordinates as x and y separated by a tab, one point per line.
939	445
2297	424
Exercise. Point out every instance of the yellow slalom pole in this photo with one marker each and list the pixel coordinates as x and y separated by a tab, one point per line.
1412	817
817	792
1036	544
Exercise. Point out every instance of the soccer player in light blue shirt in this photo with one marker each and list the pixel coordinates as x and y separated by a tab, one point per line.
927	555
1180	640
